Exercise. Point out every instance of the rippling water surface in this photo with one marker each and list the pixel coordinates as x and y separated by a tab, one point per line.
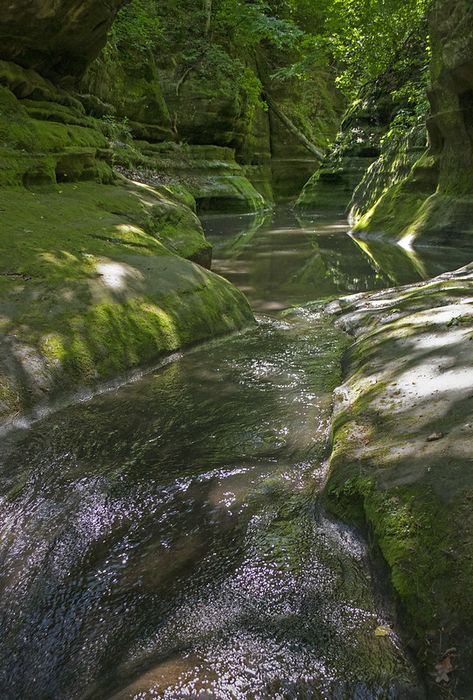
165	540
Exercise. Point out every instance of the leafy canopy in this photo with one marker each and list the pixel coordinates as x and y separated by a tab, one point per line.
365	43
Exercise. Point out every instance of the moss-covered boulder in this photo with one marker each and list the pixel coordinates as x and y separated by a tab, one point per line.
402	458
92	289
98	274
210	174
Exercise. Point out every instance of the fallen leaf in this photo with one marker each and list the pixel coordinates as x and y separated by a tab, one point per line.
442	670
435	436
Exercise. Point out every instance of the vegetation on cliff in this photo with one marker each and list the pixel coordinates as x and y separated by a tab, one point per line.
382	54
234	74
119	121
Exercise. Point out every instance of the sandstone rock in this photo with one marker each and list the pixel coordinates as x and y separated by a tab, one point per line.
434	199
402	453
93	286
56	37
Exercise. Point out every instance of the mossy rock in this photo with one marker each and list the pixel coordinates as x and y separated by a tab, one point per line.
45	142
92	287
134	91
209	174
56	37
401	459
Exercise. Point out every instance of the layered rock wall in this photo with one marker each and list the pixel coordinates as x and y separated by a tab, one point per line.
434	199
212	99
99	275
55	37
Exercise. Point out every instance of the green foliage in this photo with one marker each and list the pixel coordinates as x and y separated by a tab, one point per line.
254	23
374	48
137	29
369	39
116	129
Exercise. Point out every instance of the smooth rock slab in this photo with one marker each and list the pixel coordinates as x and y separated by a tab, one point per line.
402	458
93	286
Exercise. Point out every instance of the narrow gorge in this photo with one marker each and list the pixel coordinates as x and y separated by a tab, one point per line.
236	367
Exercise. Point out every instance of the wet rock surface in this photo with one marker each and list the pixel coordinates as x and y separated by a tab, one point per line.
402	456
166	541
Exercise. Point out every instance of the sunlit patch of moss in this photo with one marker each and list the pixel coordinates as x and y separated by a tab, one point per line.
52	347
93	287
10	402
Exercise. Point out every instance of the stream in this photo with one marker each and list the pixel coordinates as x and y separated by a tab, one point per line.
165	540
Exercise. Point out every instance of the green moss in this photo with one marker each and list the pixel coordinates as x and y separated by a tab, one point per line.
411	527
48	142
53	234
410	524
25	83
393	214
386	474
9	399
208	174
92	287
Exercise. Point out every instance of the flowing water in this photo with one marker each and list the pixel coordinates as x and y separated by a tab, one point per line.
165	540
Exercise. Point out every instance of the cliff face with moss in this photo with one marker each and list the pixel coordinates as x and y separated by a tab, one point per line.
433	198
55	37
99	274
176	75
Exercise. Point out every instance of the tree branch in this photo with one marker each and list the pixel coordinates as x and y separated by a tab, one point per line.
289	124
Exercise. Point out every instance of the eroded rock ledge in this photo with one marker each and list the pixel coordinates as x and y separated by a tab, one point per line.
402	459
99	274
55	37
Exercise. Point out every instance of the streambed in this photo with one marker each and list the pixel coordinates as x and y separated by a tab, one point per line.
165	540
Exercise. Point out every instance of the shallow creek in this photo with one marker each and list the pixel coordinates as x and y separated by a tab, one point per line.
164	540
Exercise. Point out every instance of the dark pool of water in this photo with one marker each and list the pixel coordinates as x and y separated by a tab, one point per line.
280	259
165	540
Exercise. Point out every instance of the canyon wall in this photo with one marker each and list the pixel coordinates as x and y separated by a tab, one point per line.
100	274
432	199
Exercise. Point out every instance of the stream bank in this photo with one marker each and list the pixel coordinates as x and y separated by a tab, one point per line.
166	539
402	458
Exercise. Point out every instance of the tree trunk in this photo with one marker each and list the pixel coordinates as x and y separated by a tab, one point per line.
294	130
208	15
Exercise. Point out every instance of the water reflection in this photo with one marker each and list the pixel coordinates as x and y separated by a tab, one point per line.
280	260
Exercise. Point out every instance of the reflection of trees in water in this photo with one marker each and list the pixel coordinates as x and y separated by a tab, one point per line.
398	265
242	230
336	266
354	264
280	259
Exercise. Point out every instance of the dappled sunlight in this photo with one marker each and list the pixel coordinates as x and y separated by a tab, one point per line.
429	378
116	275
409	397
